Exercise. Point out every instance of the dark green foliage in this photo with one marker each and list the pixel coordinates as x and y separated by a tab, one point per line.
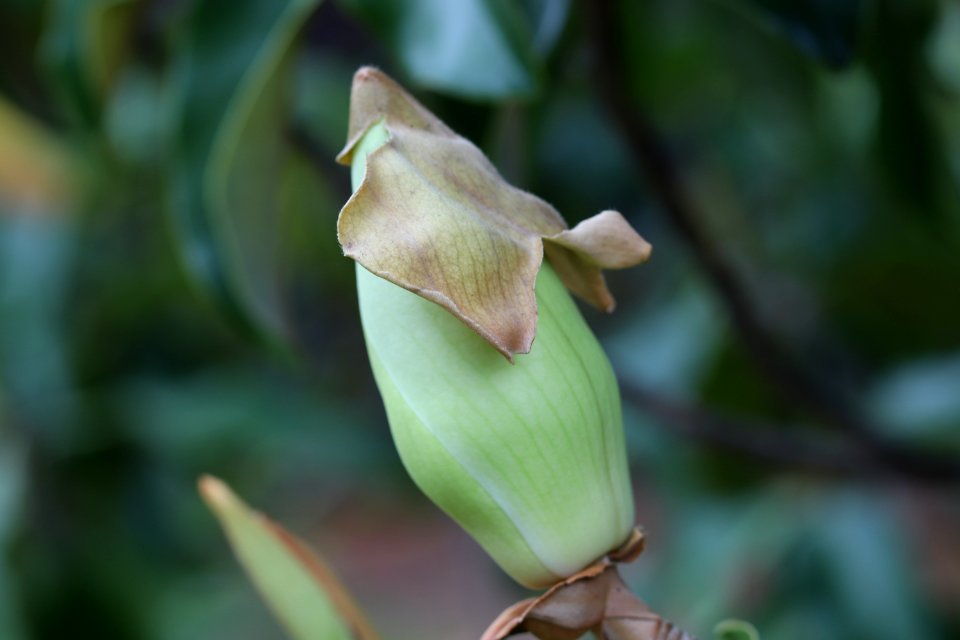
825	29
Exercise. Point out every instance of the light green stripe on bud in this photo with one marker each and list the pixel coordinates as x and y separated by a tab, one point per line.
528	457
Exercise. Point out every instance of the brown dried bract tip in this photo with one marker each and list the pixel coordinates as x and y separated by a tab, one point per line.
629	550
434	216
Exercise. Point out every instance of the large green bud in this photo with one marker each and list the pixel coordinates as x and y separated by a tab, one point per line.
526	451
527	457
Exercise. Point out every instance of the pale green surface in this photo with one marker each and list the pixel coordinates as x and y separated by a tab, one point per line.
450	485
293	594
540	439
375	137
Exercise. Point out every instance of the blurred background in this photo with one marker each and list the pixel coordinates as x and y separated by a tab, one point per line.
173	302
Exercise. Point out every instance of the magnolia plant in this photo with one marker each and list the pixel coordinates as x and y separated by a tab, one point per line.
501	402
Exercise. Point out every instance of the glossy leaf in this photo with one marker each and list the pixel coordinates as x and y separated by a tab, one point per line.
433	216
473	48
298	587
234	155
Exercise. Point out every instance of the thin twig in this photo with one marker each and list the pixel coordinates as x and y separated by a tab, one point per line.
773	443
767	443
790	380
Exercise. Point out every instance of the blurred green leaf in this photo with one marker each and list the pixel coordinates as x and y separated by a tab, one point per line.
83	48
36	254
138	117
869	577
678	337
912	155
323	101
299	588
13	484
567	124
893	292
824	29
234	154
481	49
547	19
714	547
943	48
208	419
919	400
735	630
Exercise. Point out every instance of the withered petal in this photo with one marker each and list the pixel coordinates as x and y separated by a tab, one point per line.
434	216
606	240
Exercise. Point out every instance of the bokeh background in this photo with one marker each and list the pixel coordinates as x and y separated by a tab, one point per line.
173	302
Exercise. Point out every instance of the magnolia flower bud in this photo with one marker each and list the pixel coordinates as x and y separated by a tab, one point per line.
529	458
525	452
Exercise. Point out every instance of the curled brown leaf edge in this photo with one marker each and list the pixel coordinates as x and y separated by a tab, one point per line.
594	600
434	216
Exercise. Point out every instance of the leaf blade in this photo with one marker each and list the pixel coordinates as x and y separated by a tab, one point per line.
297	586
233	156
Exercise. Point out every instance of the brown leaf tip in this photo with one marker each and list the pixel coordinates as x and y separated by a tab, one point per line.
214	491
375	96
369	72
631	549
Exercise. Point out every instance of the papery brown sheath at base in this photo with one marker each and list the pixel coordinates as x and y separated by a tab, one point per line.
593	600
596	600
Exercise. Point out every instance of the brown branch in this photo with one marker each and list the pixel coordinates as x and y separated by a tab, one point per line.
795	448
767	443
792	382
